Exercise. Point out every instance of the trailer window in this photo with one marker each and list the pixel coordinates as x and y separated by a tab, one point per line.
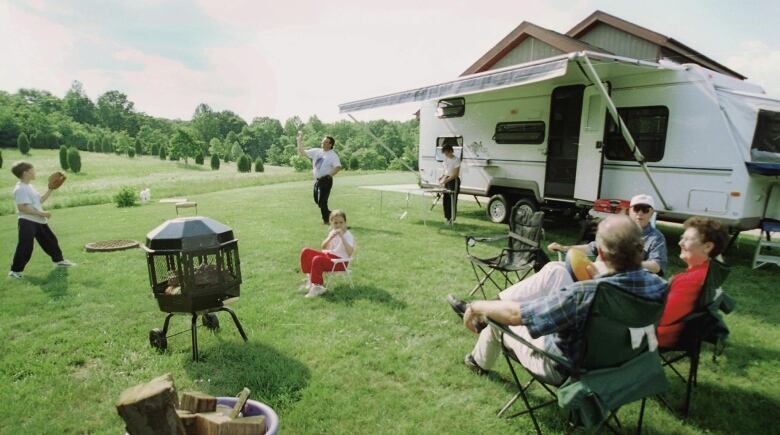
528	132
647	126
455	141
451	108
766	139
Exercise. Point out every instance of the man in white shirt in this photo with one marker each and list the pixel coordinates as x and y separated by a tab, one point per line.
33	222
450	179
325	165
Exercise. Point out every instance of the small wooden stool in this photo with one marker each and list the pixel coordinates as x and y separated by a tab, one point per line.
186	205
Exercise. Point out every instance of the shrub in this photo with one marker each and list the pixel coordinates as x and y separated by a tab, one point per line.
199	158
155	149
1	159
130	153
354	163
244	164
74	160
300	163
259	166
214	162
139	150
163	153
173	157
23	142
125	197
64	158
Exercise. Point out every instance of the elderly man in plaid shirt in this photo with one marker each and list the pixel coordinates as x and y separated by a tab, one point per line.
555	321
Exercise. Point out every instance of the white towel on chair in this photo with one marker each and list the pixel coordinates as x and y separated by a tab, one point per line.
637	334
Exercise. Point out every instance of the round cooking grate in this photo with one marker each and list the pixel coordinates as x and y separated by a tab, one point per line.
110	245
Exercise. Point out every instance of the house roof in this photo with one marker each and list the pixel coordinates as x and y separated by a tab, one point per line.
525	30
681	53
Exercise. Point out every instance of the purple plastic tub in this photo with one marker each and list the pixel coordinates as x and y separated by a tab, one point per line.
254	407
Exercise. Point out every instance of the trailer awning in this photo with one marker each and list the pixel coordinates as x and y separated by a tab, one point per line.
506	77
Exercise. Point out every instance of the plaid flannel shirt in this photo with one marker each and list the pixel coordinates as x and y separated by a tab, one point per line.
654	247
561	315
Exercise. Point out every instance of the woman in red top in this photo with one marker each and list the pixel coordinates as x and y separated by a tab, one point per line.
703	239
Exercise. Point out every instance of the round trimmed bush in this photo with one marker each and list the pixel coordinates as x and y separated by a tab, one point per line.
299	163
199	159
259	166
125	197
23	142
214	162
244	163
130	153
163	153
1	158
64	158
74	159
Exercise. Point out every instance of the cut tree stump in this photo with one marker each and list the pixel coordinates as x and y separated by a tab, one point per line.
151	408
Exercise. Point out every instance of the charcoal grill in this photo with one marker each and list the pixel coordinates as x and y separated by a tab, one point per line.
194	269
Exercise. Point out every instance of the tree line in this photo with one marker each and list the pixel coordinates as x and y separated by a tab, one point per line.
112	124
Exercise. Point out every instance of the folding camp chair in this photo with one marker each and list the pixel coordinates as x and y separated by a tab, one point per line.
347	272
704	324
611	371
522	254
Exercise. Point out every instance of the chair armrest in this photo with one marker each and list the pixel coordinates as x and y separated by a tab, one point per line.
504	329
525	240
472	241
340	260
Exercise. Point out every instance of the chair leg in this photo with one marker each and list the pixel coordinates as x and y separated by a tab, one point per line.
523	395
641	417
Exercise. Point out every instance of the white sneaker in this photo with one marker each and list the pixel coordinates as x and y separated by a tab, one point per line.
64	263
15	275
315	291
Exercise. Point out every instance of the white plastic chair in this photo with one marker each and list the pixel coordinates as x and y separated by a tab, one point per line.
333	273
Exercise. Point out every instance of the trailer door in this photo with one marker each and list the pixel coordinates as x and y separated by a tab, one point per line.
591	145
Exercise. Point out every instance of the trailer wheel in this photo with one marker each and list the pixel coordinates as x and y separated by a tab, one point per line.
157	339
497	209
210	321
526	204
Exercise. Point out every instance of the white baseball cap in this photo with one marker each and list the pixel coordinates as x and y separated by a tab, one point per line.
642	199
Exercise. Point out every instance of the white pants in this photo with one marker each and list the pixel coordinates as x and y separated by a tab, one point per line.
552	276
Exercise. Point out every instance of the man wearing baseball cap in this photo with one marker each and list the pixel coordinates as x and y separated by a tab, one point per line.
641	210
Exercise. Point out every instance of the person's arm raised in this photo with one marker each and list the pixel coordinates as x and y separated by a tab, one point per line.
299	140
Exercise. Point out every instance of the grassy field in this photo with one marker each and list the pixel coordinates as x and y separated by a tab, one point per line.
102	175
382	357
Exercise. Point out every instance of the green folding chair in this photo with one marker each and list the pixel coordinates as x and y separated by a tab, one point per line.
521	255
610	373
704	324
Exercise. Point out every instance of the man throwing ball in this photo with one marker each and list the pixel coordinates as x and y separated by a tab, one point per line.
325	165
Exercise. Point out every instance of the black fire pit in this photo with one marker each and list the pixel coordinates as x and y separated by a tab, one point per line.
193	269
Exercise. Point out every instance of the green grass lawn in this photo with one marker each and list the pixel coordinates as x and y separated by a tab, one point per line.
382	357
102	175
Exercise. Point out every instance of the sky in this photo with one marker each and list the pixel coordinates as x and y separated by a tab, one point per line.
293	57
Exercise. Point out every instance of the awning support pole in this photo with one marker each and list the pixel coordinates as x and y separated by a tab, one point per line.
594	77
379	141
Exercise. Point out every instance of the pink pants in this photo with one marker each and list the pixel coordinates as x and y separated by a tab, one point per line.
316	263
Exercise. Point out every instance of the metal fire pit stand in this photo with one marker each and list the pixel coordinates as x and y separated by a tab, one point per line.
159	338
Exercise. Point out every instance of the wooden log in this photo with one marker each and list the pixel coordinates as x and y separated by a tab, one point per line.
209	423
242	398
254	425
195	401
214	423
151	408
188	420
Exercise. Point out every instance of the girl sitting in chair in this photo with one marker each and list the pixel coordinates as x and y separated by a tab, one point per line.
338	245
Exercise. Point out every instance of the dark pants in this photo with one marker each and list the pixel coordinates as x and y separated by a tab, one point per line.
321	194
454	186
29	231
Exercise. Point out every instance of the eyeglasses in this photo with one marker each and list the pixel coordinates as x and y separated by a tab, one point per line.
644	208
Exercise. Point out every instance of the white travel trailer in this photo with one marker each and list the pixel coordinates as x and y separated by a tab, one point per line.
561	133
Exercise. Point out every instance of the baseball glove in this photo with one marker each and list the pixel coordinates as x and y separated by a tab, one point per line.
56	179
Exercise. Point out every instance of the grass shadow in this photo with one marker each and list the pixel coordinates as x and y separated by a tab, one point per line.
344	294
55	284
274	378
373	230
714	406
